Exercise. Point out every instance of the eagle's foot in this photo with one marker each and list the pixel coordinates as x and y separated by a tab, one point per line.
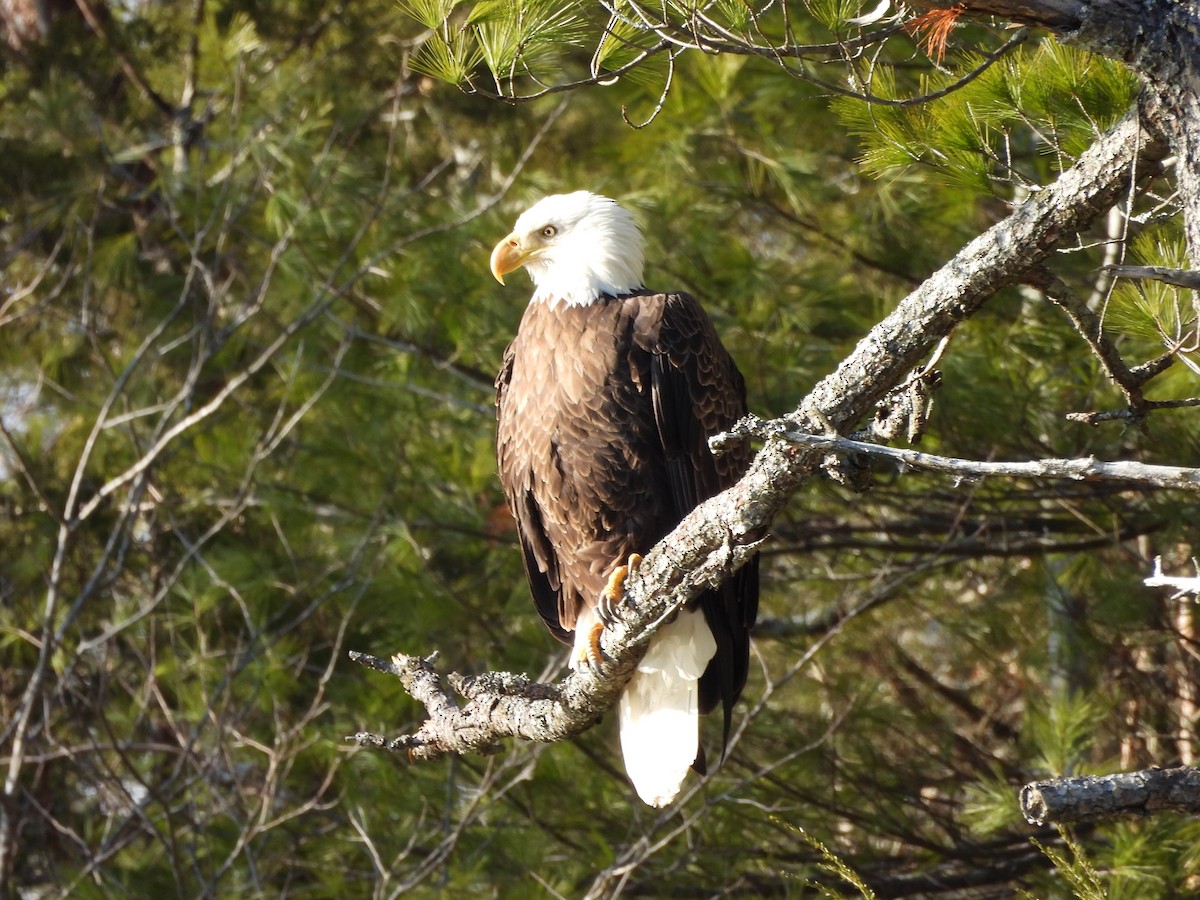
613	594
589	652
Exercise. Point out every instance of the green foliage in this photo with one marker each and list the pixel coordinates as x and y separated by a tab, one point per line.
1077	870
832	14
1000	130
1159	316
1063	733
512	38
836	866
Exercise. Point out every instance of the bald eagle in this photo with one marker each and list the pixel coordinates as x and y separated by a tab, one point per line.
605	403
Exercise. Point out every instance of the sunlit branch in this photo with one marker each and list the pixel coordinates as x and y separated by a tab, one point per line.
1092	798
963	80
676	34
1082	469
1131	380
1182	585
602	78
675	38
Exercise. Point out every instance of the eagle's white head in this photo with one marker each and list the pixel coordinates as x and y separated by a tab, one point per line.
576	247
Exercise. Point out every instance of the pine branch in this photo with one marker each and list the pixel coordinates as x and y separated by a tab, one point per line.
99	24
1157	39
1061	15
722	533
1132	414
1097	798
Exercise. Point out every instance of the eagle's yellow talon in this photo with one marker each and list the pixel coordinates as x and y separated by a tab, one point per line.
594	654
614	591
589	652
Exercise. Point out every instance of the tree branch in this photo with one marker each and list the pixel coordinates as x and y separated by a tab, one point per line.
1088	324
1182	585
1081	469
1179	277
99	25
1095	798
1060	15
722	533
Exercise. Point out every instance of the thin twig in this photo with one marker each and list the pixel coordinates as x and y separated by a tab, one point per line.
97	24
1090	328
1183	278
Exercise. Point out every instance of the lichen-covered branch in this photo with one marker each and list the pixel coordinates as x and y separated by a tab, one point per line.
1088	798
1157	39
723	532
1081	469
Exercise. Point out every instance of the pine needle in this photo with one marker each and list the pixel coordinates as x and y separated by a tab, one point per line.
932	30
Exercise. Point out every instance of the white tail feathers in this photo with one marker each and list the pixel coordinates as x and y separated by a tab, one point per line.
659	710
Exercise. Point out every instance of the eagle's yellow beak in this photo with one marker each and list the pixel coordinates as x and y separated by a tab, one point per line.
508	256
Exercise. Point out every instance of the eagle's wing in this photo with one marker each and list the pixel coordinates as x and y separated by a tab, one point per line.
697	392
541	563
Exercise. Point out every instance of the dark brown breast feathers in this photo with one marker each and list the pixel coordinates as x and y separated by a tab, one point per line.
603	417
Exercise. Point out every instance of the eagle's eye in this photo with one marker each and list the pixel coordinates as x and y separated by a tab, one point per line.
549	231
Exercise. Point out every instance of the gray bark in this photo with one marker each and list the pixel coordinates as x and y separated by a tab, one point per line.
1063	801
1160	40
1178	277
1080	469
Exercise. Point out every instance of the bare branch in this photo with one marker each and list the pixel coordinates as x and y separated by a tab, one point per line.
700	33
1130	379
1082	469
1092	798
1178	277
21	464
99	25
1182	585
1090	328
1063	15
1132	414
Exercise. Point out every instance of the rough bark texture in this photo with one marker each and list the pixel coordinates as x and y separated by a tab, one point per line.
998	257
1160	40
721	534
1061	15
1063	801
